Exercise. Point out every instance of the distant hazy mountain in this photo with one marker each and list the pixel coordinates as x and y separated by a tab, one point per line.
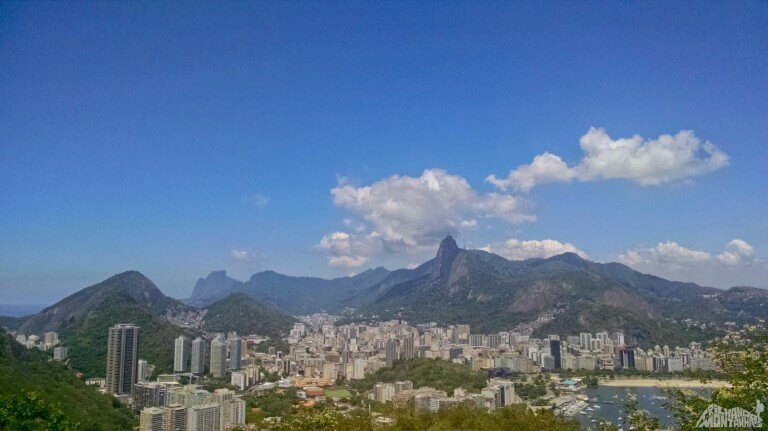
289	294
83	319
564	294
240	312
212	288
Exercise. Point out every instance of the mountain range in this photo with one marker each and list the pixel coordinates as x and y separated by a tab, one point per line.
563	294
83	319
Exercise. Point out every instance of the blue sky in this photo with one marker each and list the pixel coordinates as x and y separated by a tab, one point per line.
179	138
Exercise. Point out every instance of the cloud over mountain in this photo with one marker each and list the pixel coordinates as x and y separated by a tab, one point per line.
672	260
515	249
666	159
411	214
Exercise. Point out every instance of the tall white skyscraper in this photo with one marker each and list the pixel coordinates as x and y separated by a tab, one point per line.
218	357
235	353
182	354
198	356
122	358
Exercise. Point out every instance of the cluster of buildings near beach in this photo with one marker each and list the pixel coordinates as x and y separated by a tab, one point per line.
319	353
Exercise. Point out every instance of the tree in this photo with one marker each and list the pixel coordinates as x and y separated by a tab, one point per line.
744	363
26	411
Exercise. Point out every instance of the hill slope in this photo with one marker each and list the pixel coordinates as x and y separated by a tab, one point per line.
564	294
83	320
23	371
240	312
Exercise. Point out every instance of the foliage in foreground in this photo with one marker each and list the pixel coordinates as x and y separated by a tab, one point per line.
38	394
435	373
462	417
27	411
745	366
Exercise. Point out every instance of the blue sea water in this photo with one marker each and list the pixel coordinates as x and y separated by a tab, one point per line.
612	401
18	310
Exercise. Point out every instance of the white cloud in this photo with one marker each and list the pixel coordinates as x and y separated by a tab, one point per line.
412	214
412	265
545	168
347	261
657	161
736	264
258	200
245	256
514	249
737	251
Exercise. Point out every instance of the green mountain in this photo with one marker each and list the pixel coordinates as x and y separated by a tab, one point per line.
564	294
289	294
240	312
83	320
12	323
36	393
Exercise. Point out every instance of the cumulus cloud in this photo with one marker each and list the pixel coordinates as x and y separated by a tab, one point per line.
666	159
245	256
347	261
736	252
514	249
411	214
665	253
672	260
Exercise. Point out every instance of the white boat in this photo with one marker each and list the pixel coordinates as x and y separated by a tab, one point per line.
596	406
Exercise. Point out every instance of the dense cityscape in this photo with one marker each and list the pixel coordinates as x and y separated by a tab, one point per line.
383	216
322	359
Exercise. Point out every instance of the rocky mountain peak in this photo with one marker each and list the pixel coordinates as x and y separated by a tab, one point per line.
446	253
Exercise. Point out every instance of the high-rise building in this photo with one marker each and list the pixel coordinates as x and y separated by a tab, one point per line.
585	339
122	358
235	353
494	340
172	418
181	354
205	417
151	419
383	392
144	371
358	368
198	356
408	348
218	357
618	339
175	418
554	348
390	352
148	394
627	357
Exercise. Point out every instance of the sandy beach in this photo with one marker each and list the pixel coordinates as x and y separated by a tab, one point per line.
668	383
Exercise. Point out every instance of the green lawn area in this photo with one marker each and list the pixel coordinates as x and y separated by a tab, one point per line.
337	393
